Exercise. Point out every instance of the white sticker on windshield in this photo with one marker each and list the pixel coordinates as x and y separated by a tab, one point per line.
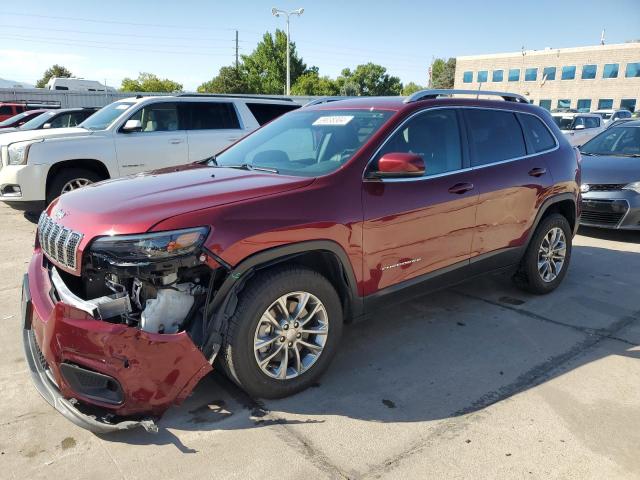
333	120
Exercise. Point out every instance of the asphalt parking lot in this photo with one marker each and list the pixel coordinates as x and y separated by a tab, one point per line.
479	381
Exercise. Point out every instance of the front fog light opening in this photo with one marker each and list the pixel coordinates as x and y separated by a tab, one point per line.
11	191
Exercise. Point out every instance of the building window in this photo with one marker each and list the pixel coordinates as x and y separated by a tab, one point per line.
633	70
497	76
549	73
589	72
610	70
584	105
628	104
605	103
467	77
568	73
564	103
530	74
546	104
482	76
514	75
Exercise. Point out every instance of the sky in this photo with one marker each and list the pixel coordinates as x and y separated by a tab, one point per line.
188	41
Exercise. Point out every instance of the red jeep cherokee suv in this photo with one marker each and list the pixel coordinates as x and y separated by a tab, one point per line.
256	257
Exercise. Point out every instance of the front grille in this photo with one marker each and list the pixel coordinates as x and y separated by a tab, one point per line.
601	218
605	187
58	242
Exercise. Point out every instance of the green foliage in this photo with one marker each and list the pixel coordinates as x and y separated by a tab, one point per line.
411	88
266	66
55	71
443	73
311	83
368	79
148	82
228	80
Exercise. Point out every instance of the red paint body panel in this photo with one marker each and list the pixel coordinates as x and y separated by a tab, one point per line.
162	369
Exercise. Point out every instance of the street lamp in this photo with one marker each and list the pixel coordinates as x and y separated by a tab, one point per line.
276	13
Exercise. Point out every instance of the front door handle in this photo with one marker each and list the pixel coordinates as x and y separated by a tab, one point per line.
461	188
175	141
537	172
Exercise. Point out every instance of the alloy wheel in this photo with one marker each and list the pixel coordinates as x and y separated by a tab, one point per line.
552	254
75	184
291	335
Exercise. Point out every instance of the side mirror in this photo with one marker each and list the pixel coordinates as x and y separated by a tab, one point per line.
579	127
46	125
400	165
132	126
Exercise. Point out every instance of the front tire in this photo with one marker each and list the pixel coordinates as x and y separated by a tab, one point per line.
284	332
547	257
70	179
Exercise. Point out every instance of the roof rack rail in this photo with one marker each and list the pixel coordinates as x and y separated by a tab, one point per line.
51	103
234	95
431	94
322	100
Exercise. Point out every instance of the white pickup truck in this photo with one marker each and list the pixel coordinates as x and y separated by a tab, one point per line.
126	137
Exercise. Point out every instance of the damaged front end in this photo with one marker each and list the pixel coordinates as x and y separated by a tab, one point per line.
113	344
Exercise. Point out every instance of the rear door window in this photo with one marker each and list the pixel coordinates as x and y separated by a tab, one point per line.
211	116
265	112
537	134
494	136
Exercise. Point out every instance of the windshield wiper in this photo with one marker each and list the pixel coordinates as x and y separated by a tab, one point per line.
587	154
247	166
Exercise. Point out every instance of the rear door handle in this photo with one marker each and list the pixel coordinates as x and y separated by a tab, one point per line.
537	172
461	188
175	141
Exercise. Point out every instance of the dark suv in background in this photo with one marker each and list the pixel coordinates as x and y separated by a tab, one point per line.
255	258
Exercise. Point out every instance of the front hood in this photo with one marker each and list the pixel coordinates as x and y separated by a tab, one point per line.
9	130
20	135
610	169
134	204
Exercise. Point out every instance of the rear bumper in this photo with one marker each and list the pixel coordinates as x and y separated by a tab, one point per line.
151	371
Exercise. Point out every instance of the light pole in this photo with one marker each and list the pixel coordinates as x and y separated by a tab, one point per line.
276	13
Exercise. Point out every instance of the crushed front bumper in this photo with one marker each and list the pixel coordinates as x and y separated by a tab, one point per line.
150	372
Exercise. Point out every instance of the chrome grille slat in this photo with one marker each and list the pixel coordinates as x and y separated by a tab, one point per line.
59	243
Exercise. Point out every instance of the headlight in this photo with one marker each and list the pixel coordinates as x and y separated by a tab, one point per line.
151	246
19	151
635	186
584	188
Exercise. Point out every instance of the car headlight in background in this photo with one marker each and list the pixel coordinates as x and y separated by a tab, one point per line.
584	188
635	186
19	151
151	246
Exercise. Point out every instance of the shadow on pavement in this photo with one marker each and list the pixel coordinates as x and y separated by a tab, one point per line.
436	357
628	236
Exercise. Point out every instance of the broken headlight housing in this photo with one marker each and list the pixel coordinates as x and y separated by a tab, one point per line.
151	246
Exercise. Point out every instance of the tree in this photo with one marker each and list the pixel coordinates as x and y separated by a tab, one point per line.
266	66
229	80
443	73
57	71
369	79
148	82
411	88
311	83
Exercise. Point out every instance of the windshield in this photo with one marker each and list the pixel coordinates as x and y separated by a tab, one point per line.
37	121
564	123
306	143
621	141
15	118
103	118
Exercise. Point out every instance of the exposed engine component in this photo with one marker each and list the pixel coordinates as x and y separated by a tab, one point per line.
166	312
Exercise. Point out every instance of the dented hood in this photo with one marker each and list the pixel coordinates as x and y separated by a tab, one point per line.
134	204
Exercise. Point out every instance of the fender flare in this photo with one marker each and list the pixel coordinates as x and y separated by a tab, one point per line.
224	301
560	197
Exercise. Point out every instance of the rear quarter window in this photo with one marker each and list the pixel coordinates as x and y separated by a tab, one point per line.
494	136
537	133
265	112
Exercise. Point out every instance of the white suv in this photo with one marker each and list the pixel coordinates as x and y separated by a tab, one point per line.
611	115
578	128
126	137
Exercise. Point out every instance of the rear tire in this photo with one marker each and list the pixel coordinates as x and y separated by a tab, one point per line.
260	371
547	257
70	179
